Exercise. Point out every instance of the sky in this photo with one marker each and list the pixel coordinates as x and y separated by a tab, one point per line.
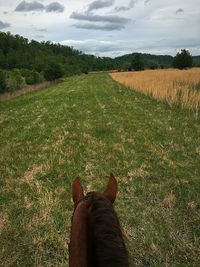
107	27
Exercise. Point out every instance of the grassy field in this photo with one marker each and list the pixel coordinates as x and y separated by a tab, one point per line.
90	126
173	86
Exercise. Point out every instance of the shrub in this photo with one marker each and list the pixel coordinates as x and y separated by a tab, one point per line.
14	80
31	76
126	66
2	81
154	66
37	77
53	71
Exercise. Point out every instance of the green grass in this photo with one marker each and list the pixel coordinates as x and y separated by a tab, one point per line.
91	126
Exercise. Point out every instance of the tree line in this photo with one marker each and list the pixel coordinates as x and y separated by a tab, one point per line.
24	62
139	61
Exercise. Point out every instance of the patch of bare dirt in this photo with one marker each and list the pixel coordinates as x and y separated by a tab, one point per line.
28	89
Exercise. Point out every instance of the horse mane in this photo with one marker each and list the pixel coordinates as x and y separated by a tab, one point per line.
108	248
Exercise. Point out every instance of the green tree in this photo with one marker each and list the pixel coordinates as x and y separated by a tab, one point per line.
182	60
137	63
2	81
31	76
14	80
126	66
53	71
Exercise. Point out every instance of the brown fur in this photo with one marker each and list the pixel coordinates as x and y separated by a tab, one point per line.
96	238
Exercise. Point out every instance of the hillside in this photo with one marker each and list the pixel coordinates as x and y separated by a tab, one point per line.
150	61
18	52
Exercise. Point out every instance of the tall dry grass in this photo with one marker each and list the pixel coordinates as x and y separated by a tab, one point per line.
176	87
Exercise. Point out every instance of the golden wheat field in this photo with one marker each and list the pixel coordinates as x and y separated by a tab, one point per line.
176	87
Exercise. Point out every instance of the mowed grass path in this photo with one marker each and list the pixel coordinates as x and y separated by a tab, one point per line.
91	126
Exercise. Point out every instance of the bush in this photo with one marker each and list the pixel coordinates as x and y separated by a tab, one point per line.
14	80
2	81
183	60
53	71
154	66
126	66
31	76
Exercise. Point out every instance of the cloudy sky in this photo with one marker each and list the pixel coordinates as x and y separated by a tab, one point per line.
107	27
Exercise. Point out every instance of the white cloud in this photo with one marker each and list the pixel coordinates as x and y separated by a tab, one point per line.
119	46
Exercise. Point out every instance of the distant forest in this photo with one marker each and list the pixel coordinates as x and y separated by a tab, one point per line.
18	52
27	62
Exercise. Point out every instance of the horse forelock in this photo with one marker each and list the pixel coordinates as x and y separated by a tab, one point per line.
108	248
101	237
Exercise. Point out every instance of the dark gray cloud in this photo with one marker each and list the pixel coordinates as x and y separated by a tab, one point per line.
180	10
105	27
100	22
39	36
100	4
42	30
37	6
125	8
4	25
146	2
99	18
5	12
55	7
29	6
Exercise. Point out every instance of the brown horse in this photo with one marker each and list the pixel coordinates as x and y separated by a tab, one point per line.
96	238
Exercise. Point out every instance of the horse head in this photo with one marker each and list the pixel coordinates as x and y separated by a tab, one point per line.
96	238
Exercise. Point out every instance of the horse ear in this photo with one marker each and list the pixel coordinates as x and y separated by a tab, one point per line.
111	189
77	190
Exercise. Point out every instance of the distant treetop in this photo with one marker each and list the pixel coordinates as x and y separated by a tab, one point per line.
183	60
